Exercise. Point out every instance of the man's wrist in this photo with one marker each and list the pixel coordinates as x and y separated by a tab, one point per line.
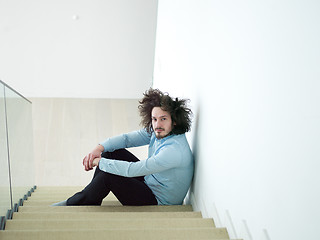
100	148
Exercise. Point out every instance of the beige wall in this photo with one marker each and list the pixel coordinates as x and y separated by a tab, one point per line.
66	129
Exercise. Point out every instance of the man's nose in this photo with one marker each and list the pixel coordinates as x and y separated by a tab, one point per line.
158	124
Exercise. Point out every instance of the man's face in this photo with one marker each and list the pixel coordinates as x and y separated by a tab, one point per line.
161	122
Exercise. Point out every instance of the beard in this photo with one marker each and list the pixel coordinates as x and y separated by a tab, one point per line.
159	136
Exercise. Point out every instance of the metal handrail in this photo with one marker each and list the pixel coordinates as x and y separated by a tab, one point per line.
6	85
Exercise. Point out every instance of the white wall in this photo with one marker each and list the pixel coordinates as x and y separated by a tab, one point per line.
78	48
251	69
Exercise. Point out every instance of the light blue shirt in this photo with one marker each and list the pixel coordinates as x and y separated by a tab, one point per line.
168	170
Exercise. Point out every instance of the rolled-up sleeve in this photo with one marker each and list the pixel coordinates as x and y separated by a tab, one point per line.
132	139
165	158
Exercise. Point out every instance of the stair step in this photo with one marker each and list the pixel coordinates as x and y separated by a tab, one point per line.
45	189
60	196
104	215
39	203
123	234
104	224
172	208
36	219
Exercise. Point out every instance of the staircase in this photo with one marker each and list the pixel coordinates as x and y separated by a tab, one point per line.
36	219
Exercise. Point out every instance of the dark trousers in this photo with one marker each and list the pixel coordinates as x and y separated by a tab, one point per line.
130	191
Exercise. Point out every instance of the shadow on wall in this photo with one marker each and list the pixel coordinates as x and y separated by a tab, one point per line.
196	154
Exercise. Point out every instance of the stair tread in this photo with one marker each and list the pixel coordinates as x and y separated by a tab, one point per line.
103	215
123	234
39	203
157	208
49	224
61	196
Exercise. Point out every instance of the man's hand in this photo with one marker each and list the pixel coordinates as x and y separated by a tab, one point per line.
96	161
94	154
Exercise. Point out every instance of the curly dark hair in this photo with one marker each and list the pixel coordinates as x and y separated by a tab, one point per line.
180	113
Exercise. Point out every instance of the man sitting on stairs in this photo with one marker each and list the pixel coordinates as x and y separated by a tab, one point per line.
163	178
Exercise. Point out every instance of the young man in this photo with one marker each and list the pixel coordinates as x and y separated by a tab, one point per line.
163	178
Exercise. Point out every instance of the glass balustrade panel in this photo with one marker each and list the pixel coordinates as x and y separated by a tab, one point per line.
20	142
5	198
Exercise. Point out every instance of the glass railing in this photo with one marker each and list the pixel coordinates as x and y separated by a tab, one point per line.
16	151
5	190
